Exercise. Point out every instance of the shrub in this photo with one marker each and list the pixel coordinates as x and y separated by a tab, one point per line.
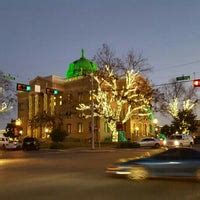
58	135
108	139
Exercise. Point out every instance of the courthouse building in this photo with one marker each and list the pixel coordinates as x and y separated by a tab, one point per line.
59	96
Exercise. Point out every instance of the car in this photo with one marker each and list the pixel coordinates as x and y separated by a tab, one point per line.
179	140
151	142
3	141
13	144
174	162
30	143
197	139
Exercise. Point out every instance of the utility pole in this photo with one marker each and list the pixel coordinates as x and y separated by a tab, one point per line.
92	110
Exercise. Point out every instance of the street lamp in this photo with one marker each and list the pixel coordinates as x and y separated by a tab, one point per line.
155	121
46	132
18	122
92	110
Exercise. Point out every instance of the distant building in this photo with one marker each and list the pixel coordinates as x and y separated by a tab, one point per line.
58	97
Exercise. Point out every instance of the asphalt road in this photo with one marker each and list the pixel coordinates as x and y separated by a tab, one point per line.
57	175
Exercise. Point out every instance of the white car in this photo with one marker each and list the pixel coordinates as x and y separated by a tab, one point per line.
13	144
3	141
151	142
179	140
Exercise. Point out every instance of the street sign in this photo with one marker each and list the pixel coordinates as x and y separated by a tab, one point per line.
182	78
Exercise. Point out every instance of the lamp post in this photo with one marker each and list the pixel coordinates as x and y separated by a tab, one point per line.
155	121
46	132
136	129
92	110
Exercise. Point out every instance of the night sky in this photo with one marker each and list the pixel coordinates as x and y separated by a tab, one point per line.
41	37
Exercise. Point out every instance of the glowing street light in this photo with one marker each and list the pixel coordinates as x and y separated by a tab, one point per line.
18	122
155	121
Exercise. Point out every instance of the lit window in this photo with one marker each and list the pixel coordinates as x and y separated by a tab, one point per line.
37	88
80	128
69	128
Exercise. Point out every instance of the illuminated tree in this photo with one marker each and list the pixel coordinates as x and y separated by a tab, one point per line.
182	114
174	90
117	100
7	94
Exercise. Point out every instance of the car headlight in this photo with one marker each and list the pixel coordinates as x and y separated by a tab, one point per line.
164	142
176	143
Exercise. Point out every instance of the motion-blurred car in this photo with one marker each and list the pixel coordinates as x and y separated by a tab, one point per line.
13	144
179	140
176	162
30	143
151	142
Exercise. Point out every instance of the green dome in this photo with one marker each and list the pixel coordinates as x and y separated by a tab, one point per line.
81	67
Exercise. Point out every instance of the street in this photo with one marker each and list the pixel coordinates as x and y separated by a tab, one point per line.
80	174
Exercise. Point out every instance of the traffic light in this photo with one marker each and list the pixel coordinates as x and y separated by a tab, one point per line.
23	87
196	83
52	91
55	91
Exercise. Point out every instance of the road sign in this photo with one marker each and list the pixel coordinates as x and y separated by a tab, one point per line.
182	78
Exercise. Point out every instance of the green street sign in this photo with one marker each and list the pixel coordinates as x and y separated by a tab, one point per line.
182	78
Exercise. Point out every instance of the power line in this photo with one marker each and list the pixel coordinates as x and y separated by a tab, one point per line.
179	65
163	84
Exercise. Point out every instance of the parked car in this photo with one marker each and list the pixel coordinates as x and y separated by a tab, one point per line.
13	144
197	139
151	142
179	140
175	162
3	141
30	143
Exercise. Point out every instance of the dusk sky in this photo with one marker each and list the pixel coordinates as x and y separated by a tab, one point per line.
41	37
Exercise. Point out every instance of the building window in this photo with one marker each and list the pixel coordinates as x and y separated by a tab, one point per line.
69	128
69	115
81	115
69	98
80	128
80	97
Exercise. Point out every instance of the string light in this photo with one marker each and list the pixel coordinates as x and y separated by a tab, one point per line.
114	96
